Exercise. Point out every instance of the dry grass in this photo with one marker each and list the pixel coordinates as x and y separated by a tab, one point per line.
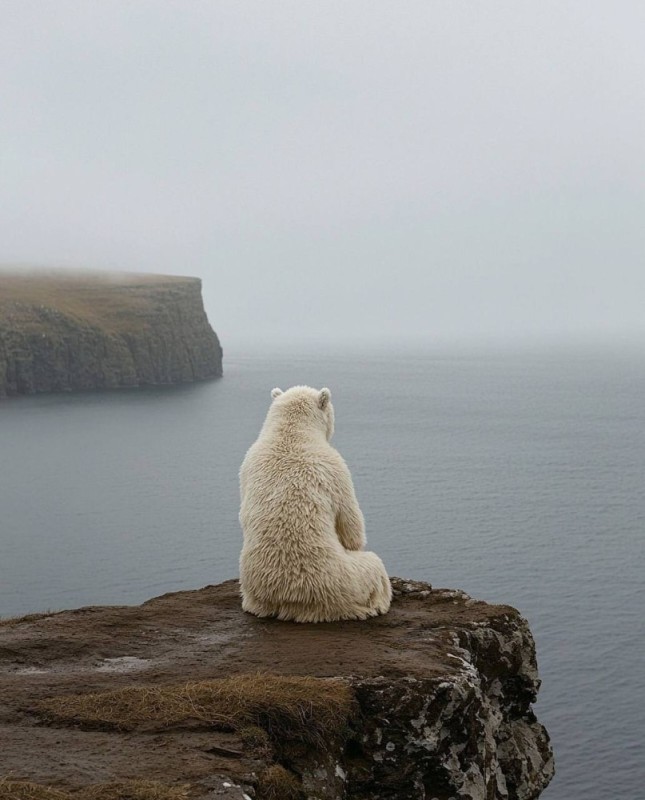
41	300
284	706
277	783
130	790
256	740
10	621
24	790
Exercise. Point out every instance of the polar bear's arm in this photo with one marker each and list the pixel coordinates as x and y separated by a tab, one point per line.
243	480
350	525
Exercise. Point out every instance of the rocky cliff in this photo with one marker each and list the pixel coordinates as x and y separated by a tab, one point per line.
187	696
62	331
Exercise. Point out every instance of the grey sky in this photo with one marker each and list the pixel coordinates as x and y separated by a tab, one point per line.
353	169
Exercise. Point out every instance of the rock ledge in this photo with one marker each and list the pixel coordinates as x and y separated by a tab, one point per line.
437	701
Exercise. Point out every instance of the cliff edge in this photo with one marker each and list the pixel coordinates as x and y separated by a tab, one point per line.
186	696
64	331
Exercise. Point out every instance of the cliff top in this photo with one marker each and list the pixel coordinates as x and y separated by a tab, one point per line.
33	300
191	693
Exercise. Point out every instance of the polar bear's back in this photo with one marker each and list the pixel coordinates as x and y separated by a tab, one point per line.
287	515
287	496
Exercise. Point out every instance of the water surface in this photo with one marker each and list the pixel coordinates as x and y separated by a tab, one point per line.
517	477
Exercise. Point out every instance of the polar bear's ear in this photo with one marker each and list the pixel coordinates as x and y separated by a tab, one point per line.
276	392
323	398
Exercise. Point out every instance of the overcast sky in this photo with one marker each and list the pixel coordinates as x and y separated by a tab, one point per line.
343	170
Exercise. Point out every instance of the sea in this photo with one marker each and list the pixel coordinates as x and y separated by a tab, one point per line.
516	475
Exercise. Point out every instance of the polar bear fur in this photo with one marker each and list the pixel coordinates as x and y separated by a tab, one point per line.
304	534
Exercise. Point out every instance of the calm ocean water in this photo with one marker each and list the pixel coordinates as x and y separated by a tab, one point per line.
517	477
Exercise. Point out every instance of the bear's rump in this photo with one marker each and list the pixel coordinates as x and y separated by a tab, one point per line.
328	576
300	577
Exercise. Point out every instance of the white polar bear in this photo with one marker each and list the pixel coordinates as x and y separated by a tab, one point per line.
304	534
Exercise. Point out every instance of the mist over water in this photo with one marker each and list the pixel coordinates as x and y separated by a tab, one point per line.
517	477
448	169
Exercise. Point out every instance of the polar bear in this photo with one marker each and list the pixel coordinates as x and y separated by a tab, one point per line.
304	534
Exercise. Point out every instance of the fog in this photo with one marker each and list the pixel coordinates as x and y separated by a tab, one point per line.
338	171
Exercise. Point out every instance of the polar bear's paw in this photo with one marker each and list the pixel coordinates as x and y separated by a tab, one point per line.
381	596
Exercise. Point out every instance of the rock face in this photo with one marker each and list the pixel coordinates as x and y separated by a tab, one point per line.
432	700
64	331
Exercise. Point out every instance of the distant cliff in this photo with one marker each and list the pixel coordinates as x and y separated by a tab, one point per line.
62	331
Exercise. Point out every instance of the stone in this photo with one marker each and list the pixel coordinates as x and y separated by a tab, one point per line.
441	691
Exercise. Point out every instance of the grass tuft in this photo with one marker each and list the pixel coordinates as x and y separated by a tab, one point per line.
133	790
289	707
129	790
25	790
277	783
256	740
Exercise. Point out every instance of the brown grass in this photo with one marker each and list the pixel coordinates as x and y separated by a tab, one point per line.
129	790
284	706
32	301
256	740
24	790
10	621
277	783
132	790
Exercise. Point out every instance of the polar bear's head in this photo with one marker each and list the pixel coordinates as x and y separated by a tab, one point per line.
304	405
